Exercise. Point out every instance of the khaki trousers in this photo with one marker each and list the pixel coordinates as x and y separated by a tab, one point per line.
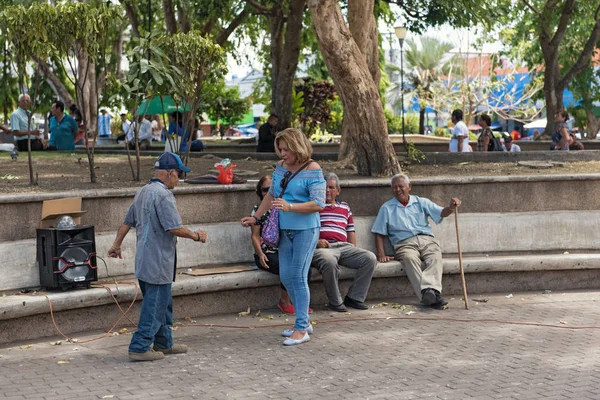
421	257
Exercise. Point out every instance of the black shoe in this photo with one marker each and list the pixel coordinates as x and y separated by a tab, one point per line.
428	297
440	302
359	305
339	308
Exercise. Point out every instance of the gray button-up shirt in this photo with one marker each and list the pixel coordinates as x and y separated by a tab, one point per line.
153	213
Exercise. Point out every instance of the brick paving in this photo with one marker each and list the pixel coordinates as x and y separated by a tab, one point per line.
380	357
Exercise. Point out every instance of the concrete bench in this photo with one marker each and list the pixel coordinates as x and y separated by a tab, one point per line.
502	252
485	239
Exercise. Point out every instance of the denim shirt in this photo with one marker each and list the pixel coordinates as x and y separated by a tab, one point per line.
307	185
400	222
153	214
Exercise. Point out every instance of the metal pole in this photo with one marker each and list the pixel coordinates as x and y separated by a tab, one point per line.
402	87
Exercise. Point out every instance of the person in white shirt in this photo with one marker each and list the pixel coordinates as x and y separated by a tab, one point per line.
144	134
460	134
510	146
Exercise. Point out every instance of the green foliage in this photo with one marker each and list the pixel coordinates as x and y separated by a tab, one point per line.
414	154
394	122
87	28
225	105
442	132
411	124
149	72
521	32
420	15
317	97
580	116
197	60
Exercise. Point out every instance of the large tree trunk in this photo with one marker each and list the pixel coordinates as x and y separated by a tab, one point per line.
170	20
276	27
422	120
132	16
88	105
55	83
373	152
289	63
184	22
363	27
593	124
555	82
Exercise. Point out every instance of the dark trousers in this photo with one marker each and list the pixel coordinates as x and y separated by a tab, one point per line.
273	263
36	145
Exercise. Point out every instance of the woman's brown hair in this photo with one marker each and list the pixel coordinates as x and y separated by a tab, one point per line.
297	143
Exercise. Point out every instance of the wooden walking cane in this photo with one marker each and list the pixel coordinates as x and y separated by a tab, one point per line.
462	271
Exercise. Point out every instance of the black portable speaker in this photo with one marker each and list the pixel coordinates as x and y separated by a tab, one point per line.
67	257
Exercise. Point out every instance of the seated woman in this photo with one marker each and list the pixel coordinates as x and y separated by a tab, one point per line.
267	257
178	133
196	144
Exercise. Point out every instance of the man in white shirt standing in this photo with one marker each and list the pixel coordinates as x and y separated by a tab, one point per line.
460	134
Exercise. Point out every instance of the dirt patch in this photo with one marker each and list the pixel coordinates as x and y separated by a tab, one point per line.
63	172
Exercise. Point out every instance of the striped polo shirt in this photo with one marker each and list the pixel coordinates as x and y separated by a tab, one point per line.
336	222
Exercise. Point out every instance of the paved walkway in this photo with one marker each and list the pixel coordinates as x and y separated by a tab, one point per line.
384	355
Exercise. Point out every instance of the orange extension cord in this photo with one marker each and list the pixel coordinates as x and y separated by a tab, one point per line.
464	320
499	321
124	313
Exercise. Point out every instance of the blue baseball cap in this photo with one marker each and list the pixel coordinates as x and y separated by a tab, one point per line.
170	161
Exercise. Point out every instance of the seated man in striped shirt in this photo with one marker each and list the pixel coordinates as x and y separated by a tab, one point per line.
337	245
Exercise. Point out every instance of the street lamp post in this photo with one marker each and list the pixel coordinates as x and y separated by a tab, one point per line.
401	34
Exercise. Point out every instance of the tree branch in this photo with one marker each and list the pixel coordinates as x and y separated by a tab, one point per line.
132	15
531	7
55	83
259	7
585	55
169	12
565	17
222	37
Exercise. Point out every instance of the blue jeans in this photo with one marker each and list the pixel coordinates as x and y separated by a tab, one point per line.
296	248
156	319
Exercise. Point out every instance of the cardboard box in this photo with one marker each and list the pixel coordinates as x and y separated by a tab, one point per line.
52	209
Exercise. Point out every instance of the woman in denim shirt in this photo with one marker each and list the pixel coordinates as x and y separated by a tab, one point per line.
299	221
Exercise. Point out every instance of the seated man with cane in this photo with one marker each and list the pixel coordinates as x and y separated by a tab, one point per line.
337	244
405	220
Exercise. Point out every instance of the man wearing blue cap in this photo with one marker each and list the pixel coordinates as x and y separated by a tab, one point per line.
157	222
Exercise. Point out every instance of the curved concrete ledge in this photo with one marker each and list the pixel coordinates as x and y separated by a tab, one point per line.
200	205
502	157
229	243
18	306
249	187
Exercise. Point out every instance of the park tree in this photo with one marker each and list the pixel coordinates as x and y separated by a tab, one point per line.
80	48
199	63
223	105
371	149
284	26
317	101
426	63
26	31
9	91
557	39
